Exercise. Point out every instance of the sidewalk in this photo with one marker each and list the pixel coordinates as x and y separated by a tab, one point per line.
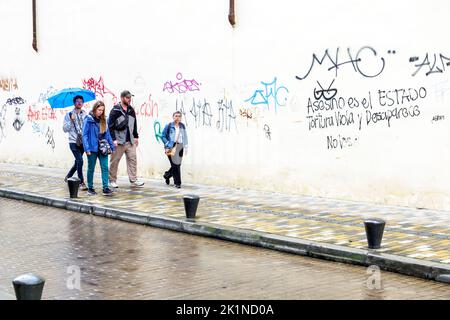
416	241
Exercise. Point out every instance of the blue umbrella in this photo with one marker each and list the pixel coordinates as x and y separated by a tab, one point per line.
64	98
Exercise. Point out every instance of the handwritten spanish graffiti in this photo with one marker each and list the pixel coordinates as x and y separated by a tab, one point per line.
98	86
43	113
9	84
363	112
347	111
340	142
361	62
181	85
437	66
270	94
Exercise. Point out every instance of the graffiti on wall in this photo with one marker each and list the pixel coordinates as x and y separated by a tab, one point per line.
2	122
431	63
148	109
201	113
270	94
41	113
45	132
9	84
361	62
99	88
181	85
373	109
43	96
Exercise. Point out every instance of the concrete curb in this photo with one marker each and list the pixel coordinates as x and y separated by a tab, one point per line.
364	257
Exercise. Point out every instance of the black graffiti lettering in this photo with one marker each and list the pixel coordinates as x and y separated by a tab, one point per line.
267	131
424	92
226	115
340	142
400	96
15	101
327	94
359	60
359	64
437	66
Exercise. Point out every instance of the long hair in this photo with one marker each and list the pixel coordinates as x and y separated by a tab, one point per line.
97	105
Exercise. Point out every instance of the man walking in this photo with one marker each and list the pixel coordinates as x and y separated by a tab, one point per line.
73	125
123	127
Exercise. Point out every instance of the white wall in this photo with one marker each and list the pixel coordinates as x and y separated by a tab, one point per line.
140	46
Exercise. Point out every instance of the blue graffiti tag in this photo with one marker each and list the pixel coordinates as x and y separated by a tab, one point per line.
268	94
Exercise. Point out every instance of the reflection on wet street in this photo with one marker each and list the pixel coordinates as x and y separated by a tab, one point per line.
119	260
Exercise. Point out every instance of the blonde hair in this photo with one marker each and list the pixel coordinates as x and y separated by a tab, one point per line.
97	105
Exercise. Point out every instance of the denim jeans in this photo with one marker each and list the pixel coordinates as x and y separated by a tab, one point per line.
78	165
92	160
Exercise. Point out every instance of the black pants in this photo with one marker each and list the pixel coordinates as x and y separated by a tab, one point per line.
78	165
174	171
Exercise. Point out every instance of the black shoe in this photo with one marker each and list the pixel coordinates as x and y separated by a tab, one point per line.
167	179
177	186
107	192
91	192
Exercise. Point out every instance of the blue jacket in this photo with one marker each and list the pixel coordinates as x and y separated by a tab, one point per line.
168	135
91	132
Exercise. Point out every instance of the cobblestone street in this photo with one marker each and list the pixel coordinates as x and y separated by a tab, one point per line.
120	260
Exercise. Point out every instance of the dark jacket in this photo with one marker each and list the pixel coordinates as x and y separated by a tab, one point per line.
91	135
121	135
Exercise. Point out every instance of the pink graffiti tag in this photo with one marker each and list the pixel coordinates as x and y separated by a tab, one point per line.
98	87
181	86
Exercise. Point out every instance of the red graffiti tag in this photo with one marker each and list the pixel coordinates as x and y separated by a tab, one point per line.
98	86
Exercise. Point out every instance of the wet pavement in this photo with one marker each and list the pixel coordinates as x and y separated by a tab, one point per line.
412	233
119	260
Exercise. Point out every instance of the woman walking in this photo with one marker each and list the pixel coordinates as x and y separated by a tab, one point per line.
175	141
97	144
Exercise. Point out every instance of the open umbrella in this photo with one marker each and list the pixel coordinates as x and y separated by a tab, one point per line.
64	98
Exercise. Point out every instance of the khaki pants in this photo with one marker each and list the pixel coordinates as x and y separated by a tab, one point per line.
130	155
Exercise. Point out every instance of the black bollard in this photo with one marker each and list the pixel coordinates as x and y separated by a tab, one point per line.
74	184
190	205
28	287
374	232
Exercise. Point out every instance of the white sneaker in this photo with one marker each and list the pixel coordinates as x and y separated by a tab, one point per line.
113	184
137	183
